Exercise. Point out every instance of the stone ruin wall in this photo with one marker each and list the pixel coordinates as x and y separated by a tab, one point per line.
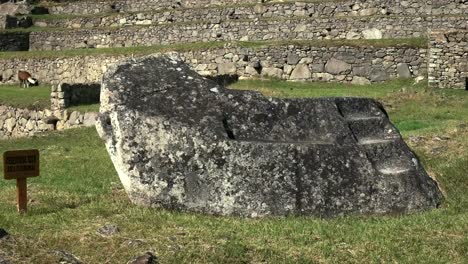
17	122
307	63
343	20
20	122
65	95
214	16
284	10
343	7
268	30
448	60
448	7
298	20
96	7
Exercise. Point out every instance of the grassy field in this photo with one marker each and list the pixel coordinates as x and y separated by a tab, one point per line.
34	97
79	191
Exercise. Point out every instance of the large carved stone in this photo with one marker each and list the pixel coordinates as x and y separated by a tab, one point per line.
181	142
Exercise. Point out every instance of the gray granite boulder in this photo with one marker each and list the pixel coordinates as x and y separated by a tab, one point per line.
182	142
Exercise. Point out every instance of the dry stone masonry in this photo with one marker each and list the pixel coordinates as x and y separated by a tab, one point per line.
97	7
373	27
312	8
17	122
65	95
127	23
361	65
181	142
448	60
270	21
215	13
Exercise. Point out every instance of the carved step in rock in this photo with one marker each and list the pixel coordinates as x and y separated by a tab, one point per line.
182	142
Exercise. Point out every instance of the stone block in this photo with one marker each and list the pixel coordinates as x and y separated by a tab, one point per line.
10	124
378	75
360	80
301	72
293	59
182	142
251	71
335	66
372	33
272	72
228	68
403	70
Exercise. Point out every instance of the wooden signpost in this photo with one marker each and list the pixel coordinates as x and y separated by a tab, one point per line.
19	165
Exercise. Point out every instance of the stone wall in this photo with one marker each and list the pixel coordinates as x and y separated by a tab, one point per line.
448	60
247	30
84	69
217	14
448	7
343	7
95	7
15	122
308	63
65	95
319	28
276	10
13	41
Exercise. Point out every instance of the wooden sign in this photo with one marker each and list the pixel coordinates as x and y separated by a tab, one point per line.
19	165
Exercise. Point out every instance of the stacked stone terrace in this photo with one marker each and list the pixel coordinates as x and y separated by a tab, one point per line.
137	23
448	61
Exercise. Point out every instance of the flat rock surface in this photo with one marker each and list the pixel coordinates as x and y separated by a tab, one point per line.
182	142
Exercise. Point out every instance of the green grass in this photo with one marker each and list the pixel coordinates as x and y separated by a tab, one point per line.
124	51
78	191
84	108
315	89
441	106
34	97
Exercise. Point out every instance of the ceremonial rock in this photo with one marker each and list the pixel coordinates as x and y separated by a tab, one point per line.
182	142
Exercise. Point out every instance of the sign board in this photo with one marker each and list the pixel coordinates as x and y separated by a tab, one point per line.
19	164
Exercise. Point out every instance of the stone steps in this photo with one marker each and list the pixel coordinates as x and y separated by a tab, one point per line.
382	142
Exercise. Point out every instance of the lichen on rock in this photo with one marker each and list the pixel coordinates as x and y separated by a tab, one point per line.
182	142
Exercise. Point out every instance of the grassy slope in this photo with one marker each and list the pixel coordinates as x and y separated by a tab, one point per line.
79	191
35	97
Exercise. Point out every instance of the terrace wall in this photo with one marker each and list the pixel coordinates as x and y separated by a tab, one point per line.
320	28
217	14
448	60
332	8
65	95
16	122
95	7
308	63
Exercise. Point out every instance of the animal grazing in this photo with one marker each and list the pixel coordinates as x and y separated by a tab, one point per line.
26	79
